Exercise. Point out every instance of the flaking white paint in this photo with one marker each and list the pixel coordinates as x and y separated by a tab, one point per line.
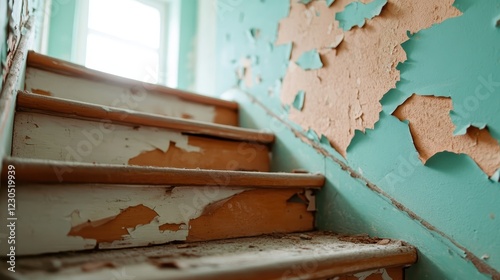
50	211
51	137
138	99
365	274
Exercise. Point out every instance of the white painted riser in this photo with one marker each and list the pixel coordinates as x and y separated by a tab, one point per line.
46	213
138	98
50	137
41	136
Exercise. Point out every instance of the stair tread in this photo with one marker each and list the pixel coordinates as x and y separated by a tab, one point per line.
310	255
75	109
63	67
47	171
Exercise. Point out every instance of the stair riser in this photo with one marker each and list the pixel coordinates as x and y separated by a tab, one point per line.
394	273
43	136
138	98
56	218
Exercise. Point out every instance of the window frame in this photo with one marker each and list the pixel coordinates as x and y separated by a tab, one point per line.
169	37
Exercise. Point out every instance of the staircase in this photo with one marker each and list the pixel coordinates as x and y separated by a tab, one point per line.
102	162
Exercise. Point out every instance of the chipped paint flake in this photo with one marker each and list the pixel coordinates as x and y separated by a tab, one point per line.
298	102
432	131
310	60
254	34
245	73
305	2
356	13
366	274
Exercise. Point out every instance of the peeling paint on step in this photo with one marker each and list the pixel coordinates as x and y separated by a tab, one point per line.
114	228
67	139
366	274
51	212
252	207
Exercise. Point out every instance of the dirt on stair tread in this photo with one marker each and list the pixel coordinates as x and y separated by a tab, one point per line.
268	248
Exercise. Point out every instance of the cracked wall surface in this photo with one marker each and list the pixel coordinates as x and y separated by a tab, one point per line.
402	96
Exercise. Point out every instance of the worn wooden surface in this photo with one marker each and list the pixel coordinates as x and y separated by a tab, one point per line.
61	217
226	112
49	105
313	255
10	87
41	136
45	171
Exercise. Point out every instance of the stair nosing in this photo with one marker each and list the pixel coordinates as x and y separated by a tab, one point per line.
54	65
50	171
27	101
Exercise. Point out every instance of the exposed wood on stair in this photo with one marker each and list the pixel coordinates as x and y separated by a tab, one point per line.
42	136
45	171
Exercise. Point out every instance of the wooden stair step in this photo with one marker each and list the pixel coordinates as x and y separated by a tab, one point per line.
314	255
47	171
58	129
71	207
50	76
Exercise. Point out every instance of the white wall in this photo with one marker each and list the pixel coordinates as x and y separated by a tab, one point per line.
206	50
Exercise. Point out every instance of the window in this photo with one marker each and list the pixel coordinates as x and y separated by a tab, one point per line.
126	37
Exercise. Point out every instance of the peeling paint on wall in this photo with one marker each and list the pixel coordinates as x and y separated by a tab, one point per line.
298	102
432	132
356	13
310	60
358	72
421	47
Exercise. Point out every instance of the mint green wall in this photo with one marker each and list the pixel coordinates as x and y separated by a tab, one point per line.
187	50
4	16
62	24
448	209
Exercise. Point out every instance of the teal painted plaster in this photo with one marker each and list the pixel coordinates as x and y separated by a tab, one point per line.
62	29
233	43
459	58
3	37
447	208
298	102
187	49
310	60
356	13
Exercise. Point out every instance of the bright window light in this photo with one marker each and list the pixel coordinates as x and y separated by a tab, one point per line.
124	38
